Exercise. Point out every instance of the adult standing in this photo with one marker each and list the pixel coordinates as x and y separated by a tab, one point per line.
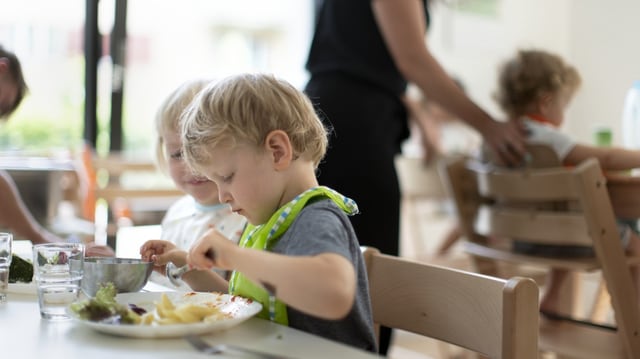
362	55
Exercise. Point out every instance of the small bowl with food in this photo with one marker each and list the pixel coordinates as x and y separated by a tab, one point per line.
126	274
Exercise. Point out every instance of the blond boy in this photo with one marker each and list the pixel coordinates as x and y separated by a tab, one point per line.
259	139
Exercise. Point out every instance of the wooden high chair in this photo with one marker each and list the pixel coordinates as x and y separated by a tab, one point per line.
419	182
556	205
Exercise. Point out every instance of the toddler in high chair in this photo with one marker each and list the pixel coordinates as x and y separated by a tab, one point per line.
538	86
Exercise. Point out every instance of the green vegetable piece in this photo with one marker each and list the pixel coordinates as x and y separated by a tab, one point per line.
104	306
107	293
20	270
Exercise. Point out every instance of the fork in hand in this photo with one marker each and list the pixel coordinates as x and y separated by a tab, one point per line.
175	273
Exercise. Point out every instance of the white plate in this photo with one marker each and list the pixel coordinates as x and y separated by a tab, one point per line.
22	288
239	310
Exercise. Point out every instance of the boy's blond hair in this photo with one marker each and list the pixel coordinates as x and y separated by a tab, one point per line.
244	109
529	75
168	115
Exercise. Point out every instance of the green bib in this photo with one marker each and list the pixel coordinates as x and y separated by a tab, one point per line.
265	236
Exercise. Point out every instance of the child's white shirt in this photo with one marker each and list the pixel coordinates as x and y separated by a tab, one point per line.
559	141
187	220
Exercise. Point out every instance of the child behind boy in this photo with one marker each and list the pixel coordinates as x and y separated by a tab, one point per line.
193	214
538	86
259	139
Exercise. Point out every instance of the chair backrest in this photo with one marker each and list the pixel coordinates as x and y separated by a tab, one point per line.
495	317
419	180
557	205
104	177
539	155
115	167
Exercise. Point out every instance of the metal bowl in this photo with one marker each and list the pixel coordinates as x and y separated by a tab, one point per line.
128	275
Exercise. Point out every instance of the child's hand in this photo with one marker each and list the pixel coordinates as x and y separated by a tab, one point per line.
156	251
210	251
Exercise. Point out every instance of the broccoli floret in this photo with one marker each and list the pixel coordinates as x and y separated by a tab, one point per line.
20	270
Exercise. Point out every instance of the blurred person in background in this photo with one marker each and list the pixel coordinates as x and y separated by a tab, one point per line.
362	54
14	214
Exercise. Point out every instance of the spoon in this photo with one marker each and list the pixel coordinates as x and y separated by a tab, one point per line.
174	273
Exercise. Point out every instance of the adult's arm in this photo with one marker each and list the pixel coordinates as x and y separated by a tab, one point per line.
403	26
299	281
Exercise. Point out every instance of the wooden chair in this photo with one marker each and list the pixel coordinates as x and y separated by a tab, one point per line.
554	205
422	183
104	181
494	317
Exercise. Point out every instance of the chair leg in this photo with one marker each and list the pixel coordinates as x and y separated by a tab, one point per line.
450	239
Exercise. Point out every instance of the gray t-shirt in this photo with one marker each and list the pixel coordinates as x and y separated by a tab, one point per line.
322	227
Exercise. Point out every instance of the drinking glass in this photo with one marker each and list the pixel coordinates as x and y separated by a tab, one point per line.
6	240
57	269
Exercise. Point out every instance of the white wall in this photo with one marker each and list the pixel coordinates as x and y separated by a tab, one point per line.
606	49
593	35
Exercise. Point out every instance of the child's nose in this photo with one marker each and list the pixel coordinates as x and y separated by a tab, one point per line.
224	196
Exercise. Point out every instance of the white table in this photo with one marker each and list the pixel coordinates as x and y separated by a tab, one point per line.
25	335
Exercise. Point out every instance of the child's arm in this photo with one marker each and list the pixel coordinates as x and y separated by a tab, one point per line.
206	281
610	158
162	252
323	285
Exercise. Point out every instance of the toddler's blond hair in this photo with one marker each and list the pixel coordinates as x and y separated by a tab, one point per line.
530	74
168	115
244	109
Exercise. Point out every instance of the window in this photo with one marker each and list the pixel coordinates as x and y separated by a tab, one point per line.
168	42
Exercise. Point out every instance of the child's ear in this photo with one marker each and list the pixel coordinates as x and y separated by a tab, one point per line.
544	101
277	143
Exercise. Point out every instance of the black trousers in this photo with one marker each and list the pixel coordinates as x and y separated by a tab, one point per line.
368	126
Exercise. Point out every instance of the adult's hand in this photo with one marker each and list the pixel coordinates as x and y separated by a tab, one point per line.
507	141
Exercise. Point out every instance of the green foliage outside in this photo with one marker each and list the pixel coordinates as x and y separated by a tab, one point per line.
31	132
